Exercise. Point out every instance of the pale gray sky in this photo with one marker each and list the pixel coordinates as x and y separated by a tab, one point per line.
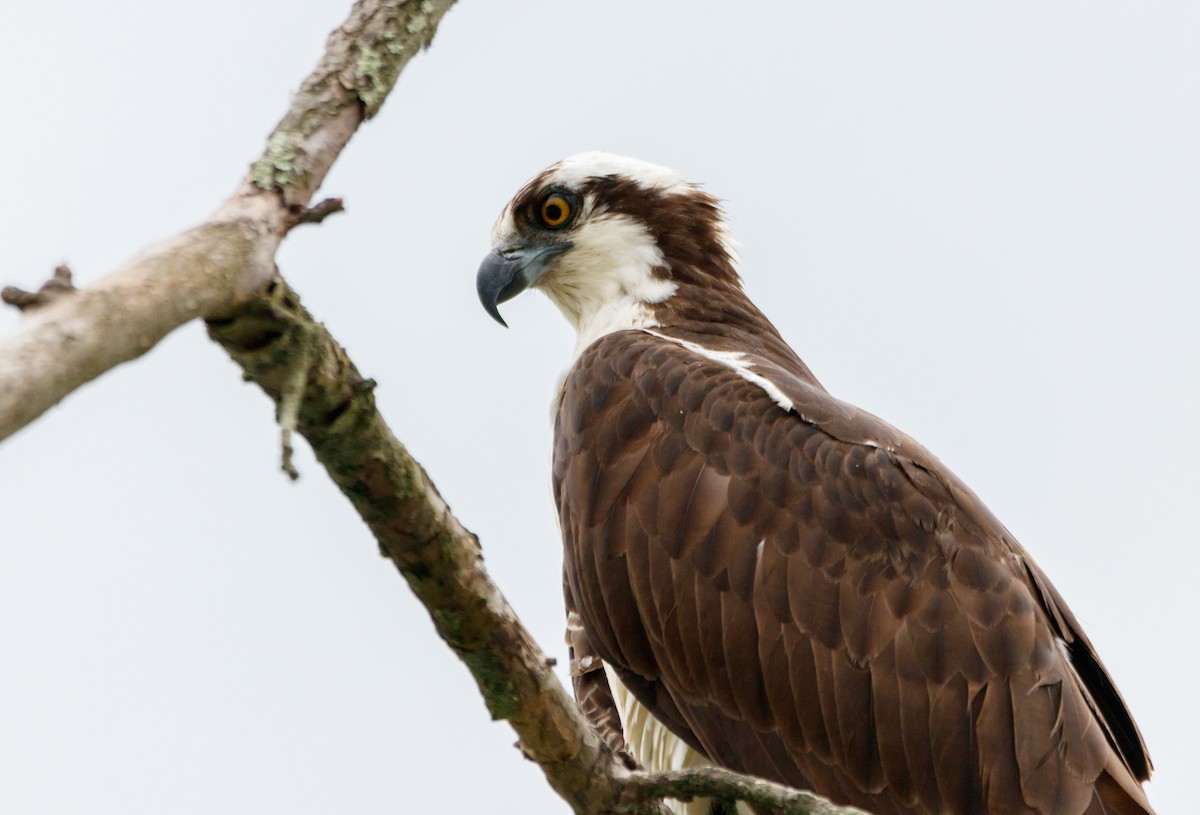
979	221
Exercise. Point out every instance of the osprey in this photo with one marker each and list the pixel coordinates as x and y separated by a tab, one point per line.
763	577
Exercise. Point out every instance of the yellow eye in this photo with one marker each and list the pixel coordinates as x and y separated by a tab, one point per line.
555	210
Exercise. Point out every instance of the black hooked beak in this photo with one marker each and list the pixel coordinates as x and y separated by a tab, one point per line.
509	270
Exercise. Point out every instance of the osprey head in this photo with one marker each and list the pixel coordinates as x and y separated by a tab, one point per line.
608	239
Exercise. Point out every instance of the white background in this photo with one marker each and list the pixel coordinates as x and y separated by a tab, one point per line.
979	221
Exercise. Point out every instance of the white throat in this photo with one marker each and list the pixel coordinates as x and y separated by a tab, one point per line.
606	283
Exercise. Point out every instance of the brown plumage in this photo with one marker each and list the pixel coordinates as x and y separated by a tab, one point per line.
793	587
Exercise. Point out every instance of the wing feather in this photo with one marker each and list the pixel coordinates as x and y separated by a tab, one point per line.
591	685
886	700
914	721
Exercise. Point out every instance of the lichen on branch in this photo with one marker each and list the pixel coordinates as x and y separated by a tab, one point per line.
206	271
363	58
415	529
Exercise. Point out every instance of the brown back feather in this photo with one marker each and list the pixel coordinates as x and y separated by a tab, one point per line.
812	597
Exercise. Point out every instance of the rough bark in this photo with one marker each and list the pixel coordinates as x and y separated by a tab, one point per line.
439	558
210	269
715	782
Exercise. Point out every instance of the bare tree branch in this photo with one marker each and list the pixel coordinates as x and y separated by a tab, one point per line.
206	271
715	782
442	562
318	213
58	285
439	558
